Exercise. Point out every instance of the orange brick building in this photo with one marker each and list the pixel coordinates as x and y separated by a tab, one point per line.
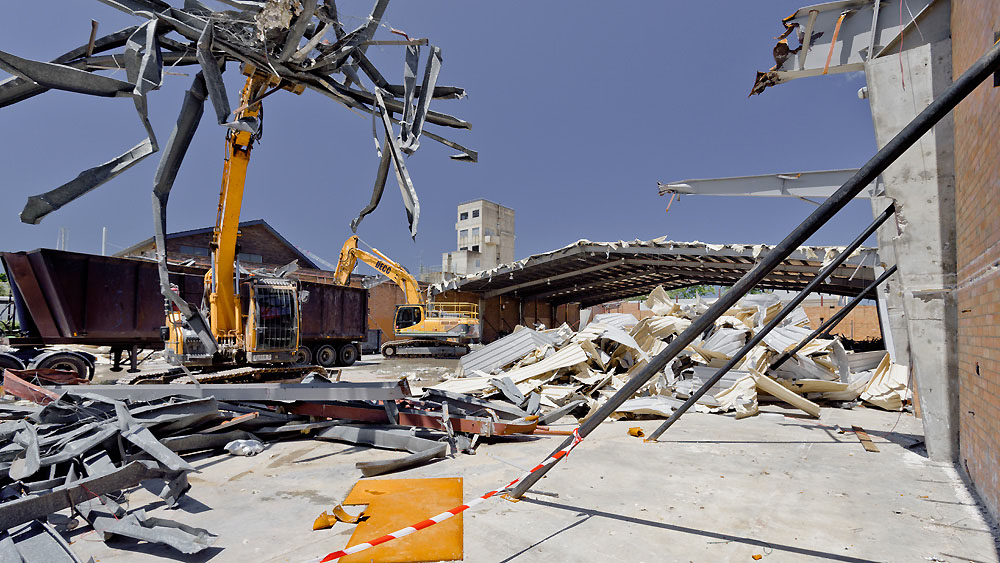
977	201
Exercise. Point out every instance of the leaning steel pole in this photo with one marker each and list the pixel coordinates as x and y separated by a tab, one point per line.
836	318
970	79
782	314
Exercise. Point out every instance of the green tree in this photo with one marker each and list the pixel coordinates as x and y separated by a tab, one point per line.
692	291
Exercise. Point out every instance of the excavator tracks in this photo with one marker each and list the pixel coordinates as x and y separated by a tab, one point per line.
424	348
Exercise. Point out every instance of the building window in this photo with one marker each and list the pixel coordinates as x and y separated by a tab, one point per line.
253	258
464	248
195	250
475	213
475	248
477	264
475	232
463	216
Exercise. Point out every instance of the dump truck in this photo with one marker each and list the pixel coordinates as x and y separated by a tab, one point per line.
73	299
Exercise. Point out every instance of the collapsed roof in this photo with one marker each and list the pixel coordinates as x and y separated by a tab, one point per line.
596	272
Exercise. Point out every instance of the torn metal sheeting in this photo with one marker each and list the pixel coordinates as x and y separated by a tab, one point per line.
111	520
473	404
343	391
504	351
422	450
480	425
268	37
35	542
33	507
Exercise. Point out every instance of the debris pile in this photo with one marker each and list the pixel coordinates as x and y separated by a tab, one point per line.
73	452
550	373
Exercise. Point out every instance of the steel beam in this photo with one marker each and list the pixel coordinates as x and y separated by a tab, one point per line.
798	184
547	279
251	391
939	108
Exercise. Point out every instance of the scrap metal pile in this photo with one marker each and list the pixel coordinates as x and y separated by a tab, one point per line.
73	453
298	44
551	373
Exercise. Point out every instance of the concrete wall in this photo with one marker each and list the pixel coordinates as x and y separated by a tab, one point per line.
922	183
488	240
977	176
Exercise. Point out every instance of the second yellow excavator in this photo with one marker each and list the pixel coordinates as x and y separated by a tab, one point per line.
442	330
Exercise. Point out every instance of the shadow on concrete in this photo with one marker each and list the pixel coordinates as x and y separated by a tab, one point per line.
704	533
546	538
162	551
828	442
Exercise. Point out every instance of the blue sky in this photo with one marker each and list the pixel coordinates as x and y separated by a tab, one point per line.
578	109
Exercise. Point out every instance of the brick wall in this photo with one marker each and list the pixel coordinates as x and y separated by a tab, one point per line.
859	324
977	179
382	301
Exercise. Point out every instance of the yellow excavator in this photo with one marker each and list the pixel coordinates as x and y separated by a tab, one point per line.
442	330
265	329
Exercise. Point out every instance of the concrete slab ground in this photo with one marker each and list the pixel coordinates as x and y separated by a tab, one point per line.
715	489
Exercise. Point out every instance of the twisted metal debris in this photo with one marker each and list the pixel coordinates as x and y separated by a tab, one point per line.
288	38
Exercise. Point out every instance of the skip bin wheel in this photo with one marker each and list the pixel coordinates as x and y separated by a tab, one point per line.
348	354
9	362
303	356
388	351
66	362
326	356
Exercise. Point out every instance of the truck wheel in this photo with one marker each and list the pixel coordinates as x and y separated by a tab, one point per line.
66	362
326	356
10	362
303	356
348	354
388	351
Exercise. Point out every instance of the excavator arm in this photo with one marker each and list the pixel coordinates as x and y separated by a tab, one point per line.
349	256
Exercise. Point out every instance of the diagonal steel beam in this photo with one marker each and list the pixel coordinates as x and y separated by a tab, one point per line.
939	108
785	311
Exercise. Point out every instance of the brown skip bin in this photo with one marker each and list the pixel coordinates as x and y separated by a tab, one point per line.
75	298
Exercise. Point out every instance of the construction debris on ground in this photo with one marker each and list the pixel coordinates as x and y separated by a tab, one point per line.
554	372
74	451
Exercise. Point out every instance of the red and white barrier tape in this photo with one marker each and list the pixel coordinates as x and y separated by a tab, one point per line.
449	513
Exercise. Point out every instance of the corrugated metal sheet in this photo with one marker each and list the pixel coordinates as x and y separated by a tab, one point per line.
620	320
505	351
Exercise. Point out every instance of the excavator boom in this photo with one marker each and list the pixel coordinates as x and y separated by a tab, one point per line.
430	329
266	329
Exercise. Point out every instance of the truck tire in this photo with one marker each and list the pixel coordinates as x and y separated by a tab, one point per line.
348	354
303	356
326	356
388	351
10	362
66	362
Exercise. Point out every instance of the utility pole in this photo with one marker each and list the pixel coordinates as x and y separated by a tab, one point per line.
104	241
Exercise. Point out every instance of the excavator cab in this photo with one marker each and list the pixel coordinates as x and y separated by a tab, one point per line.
407	316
